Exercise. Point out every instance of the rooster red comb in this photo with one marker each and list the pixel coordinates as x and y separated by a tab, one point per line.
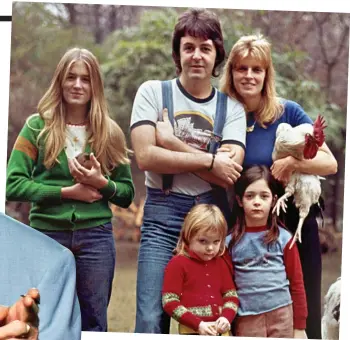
314	141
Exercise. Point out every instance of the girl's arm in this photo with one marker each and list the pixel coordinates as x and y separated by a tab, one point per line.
117	188
20	186
229	293
296	285
171	293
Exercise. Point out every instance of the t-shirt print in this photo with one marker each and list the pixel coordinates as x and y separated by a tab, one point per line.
193	128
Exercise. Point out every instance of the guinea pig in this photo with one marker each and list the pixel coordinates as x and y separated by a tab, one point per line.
84	160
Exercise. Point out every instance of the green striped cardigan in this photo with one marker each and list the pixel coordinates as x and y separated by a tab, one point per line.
29	180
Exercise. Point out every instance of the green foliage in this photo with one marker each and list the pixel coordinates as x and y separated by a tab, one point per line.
41	34
293	84
138	54
39	39
143	52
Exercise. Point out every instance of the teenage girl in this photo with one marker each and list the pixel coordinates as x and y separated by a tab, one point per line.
70	202
198	289
268	274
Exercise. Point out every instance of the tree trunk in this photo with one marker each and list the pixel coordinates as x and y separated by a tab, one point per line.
72	12
112	18
97	28
338	194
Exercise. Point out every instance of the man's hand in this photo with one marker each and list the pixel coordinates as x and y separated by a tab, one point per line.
299	334
165	132
222	325
282	169
207	328
21	315
226	168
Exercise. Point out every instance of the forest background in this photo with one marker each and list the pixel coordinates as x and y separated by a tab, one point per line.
133	44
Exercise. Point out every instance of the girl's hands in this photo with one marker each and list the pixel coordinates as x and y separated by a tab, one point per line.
222	325
299	334
207	328
92	177
81	192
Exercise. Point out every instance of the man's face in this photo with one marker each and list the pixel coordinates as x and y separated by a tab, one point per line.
197	58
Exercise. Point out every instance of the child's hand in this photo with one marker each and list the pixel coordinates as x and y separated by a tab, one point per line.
92	176
222	325
299	334
207	328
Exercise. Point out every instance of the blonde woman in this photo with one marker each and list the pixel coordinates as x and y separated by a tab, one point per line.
71	201
249	77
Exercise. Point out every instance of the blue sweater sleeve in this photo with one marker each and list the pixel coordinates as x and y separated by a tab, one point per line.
295	114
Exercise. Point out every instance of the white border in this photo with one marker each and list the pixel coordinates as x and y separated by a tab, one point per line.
295	5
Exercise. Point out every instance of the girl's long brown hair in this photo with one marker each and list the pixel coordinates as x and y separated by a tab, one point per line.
202	218
249	176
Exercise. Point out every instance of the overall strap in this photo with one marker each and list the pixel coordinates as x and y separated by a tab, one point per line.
219	121
167	98
219	193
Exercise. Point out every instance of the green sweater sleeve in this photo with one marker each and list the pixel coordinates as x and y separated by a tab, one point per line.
20	184
120	189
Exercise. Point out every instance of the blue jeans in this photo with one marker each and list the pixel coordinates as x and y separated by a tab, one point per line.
94	253
162	222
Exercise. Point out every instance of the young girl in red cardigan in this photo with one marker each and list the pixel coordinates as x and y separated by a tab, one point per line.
268	273
198	289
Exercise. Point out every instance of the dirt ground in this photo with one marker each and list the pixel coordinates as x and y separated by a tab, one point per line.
122	308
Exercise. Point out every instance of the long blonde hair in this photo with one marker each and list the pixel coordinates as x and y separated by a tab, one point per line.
257	47
202	218
106	138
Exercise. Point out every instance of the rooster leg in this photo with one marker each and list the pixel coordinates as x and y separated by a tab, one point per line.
297	235
281	202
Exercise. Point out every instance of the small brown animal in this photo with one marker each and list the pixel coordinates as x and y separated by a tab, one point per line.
84	160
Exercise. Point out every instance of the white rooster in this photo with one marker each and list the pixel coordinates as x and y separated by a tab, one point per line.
301	142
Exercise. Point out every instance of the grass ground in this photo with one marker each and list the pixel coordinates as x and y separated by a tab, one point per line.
122	308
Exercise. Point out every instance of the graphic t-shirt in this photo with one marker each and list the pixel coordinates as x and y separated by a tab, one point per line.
193	124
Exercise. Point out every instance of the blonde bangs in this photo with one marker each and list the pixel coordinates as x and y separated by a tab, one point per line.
254	50
202	218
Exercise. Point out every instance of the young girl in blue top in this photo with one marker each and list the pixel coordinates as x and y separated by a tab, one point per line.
268	275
